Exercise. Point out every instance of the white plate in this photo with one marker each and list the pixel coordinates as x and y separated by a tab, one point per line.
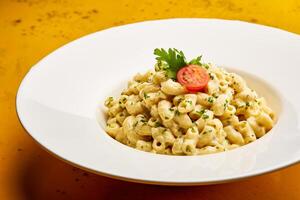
58	99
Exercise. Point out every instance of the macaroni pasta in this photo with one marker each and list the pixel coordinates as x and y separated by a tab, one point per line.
157	114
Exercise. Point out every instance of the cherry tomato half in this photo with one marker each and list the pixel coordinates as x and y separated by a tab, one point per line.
193	77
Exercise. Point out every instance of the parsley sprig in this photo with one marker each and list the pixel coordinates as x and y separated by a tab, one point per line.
174	59
196	61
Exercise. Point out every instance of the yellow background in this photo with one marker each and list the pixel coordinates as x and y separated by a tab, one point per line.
30	29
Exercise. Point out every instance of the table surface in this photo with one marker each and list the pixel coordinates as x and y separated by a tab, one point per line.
31	29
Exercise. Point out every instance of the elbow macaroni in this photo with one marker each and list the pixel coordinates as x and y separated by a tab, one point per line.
157	114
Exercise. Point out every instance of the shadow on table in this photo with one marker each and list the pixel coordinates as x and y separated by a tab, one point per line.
45	177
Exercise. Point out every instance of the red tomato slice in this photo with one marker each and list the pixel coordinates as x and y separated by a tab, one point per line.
193	77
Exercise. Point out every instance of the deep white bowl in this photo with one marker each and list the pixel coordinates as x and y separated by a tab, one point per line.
60	100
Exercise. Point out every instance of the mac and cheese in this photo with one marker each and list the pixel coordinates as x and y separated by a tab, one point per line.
157	114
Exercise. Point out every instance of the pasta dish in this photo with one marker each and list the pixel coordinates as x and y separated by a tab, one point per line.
187	108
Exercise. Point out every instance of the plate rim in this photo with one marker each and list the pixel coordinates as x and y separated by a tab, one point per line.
149	182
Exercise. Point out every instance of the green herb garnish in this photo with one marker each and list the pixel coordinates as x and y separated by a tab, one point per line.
190	102
174	59
196	61
146	96
210	99
205	116
143	120
157	124
226	103
201	112
206	66
215	95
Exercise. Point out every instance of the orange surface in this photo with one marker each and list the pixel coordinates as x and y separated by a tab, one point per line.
30	29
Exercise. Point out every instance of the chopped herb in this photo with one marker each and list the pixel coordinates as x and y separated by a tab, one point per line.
122	100
204	132
201	112
109	101
146	96
171	109
210	99
190	102
205	116
157	124
143	120
177	112
211	76
167	118
215	95
206	66
226	103
247	104
135	124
